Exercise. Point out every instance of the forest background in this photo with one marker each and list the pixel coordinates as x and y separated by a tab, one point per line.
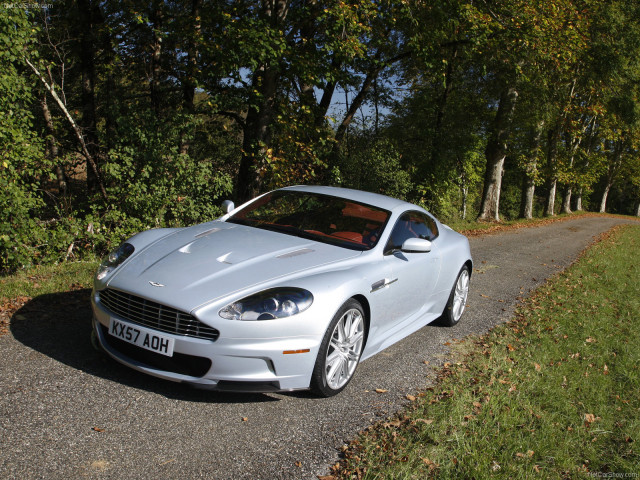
125	115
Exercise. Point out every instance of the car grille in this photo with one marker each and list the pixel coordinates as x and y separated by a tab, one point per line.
155	315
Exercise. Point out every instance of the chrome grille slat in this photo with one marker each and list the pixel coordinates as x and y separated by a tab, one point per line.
155	315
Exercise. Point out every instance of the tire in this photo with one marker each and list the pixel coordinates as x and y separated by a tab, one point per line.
340	350
457	299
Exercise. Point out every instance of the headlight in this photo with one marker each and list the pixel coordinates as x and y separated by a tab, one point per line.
270	304
114	259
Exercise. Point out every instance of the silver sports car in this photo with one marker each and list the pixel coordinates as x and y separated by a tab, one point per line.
288	291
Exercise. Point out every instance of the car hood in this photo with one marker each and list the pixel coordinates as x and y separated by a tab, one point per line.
200	264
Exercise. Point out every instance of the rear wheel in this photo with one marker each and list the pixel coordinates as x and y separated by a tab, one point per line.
457	299
340	350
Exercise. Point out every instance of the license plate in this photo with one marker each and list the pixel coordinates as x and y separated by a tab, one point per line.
142	337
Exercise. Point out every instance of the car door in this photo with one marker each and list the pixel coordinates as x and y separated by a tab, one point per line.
414	275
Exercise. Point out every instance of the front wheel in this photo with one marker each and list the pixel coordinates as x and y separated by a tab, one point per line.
457	299
340	350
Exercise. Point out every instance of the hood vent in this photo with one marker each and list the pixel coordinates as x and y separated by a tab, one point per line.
295	253
207	232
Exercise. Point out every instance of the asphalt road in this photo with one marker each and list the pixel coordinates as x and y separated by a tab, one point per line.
68	412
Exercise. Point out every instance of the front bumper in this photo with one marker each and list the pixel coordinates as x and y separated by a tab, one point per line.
231	364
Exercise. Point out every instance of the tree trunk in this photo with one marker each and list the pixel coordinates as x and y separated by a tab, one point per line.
441	107
52	147
495	153
528	178
76	129
156	17
579	200
638	209
256	130
552	158
611	173
188	82
566	200
88	14
603	200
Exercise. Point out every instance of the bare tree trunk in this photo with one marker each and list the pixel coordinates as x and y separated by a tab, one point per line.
611	173
579	200
566	200
638	209
52	147
603	200
528	179
552	158
495	153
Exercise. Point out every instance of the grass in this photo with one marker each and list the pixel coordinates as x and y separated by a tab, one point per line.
551	394
44	279
17	289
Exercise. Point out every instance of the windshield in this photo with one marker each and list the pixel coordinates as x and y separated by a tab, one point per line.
322	218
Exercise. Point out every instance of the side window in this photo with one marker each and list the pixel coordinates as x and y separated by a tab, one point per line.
412	225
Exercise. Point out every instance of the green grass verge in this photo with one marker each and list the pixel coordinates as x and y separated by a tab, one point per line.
44	279
554	393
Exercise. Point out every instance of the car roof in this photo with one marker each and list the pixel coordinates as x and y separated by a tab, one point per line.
369	198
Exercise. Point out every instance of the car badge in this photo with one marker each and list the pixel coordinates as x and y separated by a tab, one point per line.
156	284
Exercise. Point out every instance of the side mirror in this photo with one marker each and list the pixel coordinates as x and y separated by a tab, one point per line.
416	245
228	206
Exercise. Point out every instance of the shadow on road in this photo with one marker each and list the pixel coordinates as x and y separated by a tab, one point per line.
59	325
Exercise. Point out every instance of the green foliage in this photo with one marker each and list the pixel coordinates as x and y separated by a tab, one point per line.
154	185
22	167
375	167
177	102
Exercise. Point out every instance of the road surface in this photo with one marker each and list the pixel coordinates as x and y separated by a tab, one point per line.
68	412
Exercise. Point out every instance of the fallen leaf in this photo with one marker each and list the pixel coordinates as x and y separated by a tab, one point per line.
392	423
537	366
589	418
381	390
411	398
428	421
510	347
327	477
298	464
245	419
96	429
512	388
606	369
536	468
590	340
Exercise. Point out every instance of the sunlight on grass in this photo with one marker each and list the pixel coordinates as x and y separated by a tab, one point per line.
48	279
551	394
